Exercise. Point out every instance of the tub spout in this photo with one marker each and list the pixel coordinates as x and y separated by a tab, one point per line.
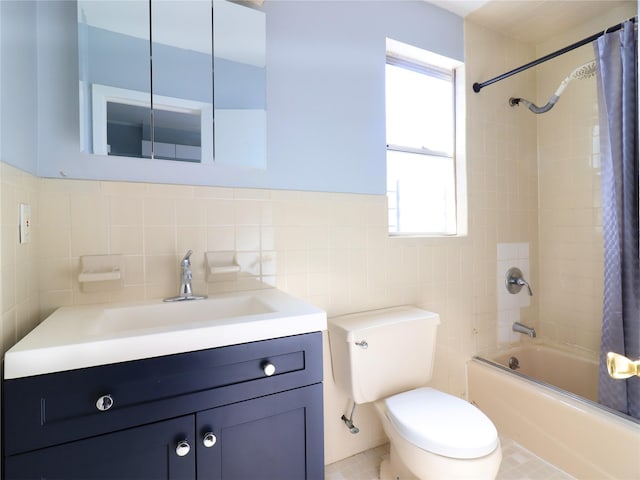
522	328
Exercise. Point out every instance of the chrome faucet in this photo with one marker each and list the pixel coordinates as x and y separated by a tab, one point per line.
522	328
185	286
187	275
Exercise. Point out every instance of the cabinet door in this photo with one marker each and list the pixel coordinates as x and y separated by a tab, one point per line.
147	452
277	437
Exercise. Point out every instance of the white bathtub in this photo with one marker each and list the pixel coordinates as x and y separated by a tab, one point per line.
542	406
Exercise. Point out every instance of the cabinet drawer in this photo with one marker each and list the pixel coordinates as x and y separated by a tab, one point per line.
61	407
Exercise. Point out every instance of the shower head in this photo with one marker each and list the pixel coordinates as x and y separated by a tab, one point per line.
587	70
584	71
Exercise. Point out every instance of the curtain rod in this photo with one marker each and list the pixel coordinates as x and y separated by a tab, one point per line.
479	86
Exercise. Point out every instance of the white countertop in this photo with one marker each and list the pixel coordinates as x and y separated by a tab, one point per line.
88	336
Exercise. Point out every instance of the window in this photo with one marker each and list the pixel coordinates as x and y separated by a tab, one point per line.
422	169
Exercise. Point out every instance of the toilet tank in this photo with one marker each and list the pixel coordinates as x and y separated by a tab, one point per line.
378	353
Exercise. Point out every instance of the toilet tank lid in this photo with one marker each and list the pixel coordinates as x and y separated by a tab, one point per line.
353	324
442	424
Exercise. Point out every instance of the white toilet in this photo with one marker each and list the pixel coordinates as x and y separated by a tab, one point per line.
386	356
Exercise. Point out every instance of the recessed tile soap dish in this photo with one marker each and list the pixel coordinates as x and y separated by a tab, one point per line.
221	266
99	273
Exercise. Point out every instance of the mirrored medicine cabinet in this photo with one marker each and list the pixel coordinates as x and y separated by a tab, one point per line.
178	80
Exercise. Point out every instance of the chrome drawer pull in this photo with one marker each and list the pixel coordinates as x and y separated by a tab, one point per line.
209	439
183	448
104	403
268	368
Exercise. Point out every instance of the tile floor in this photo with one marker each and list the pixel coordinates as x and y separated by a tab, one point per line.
518	463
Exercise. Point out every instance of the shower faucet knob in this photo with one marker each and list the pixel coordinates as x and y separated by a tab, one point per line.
514	281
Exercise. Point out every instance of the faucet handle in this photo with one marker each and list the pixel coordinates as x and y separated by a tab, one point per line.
523	283
514	281
185	261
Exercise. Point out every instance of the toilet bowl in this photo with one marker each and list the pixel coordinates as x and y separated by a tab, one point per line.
434	435
386	357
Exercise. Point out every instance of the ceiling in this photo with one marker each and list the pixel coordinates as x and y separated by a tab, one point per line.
459	7
530	21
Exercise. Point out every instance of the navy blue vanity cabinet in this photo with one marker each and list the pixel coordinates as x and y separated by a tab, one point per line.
242	412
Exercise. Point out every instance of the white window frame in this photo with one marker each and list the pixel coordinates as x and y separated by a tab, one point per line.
407	56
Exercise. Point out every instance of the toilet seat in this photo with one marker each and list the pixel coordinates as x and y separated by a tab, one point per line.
441	423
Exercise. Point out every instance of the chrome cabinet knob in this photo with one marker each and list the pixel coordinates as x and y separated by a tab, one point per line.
104	403
209	439
182	448
268	368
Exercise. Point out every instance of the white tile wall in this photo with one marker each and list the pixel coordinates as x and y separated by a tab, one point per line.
509	304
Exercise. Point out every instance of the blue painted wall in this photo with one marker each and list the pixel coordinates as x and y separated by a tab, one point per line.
18	69
325	77
325	96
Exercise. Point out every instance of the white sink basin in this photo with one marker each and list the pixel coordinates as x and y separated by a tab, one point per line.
87	336
187	313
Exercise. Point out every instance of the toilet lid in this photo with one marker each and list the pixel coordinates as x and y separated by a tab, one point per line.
441	423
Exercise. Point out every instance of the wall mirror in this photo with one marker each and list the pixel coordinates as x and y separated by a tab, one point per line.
181	80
